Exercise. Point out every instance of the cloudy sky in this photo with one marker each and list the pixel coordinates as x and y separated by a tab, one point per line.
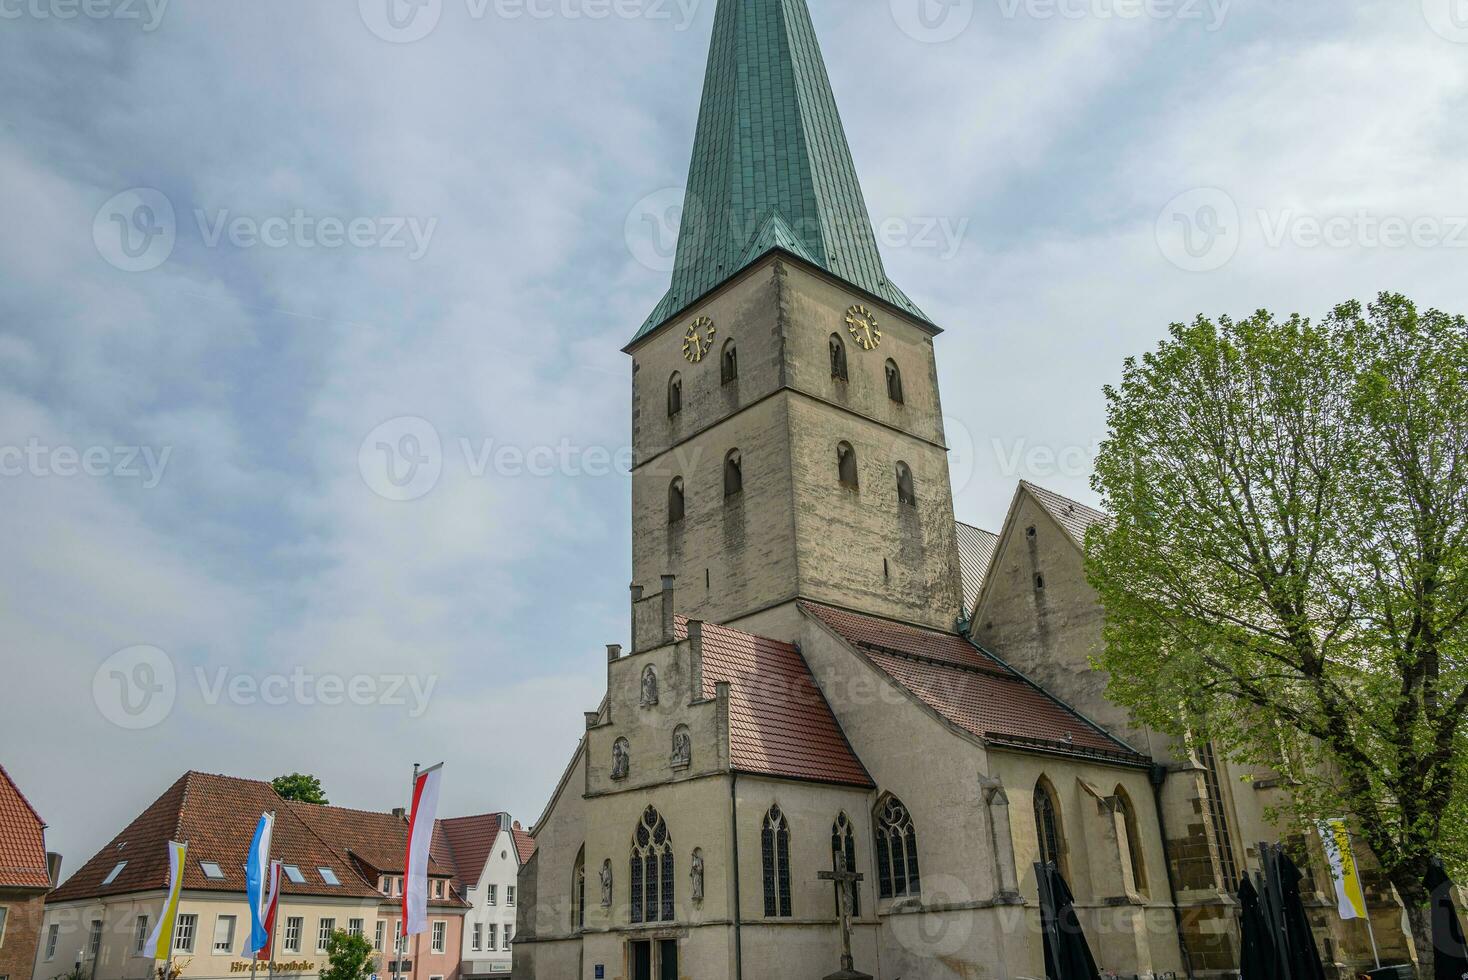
251	247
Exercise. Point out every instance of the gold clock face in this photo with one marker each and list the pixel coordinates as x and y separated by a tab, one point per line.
699	339
863	326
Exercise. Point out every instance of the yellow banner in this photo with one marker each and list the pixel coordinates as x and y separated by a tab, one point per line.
1350	899
161	939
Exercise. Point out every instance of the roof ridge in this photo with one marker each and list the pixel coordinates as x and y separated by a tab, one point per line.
16	787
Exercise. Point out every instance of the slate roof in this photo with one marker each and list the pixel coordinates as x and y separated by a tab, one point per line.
970	687
22	839
216	816
1072	515
779	721
770	144
975	551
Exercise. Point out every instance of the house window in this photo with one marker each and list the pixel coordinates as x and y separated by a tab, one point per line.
94	938
733	473
293	874
652	870
140	935
894	382
52	935
509	932
494	931
183	933
211	870
1218	817
775	855
440	931
675	395
1133	840
294	926
438	889
379	935
224	934
897	856
491	896
510	895
400	940
838	357
116	870
324	929
729	363
329	876
906	492
843	858
355	927
846	466
675	500
1047	825
578	891
477	942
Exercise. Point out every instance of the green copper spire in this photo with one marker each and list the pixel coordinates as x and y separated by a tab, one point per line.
771	167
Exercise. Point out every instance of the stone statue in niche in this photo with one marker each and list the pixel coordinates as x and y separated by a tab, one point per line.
621	759
649	687
697	875
606	884
682	748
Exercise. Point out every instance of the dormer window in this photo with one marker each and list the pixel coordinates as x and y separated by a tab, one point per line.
329	876
675	394
211	870
116	870
729	363
894	382
293	874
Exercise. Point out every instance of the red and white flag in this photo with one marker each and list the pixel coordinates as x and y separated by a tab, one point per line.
272	899
420	838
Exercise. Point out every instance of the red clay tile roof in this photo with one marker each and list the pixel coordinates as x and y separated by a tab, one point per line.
524	843
969	687
779	721
975	551
1072	515
216	816
377	841
469	841
22	839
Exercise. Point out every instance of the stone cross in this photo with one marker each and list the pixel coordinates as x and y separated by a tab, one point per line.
845	882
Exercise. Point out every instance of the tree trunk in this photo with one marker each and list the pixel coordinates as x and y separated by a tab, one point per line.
1419	916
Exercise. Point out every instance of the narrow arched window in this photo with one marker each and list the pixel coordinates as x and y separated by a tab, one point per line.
729	363
846	465
578	891
775	852
733	473
1047	825
675	394
675	500
843	858
652	869
906	492
1133	840
838	357
894	382
897	857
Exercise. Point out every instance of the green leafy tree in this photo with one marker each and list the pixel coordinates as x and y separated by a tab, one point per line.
1286	570
348	957
300	787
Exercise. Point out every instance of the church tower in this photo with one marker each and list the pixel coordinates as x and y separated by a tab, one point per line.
786	427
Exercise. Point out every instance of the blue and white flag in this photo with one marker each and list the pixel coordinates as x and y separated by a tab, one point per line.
257	881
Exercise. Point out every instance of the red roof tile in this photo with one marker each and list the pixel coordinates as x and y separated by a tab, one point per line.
779	721
524	843
469	841
969	687
22	839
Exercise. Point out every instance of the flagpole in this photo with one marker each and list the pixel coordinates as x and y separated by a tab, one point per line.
1365	902
412	789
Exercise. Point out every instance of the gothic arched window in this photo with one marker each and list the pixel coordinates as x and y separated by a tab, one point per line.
775	851
838	357
1133	839
906	492
729	363
897	857
843	858
652	869
578	891
675	500
675	394
846	465
733	473
894	382
1047	825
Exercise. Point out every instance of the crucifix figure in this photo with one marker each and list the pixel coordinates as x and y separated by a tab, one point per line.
845	885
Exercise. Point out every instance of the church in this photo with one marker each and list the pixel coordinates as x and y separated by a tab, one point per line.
848	725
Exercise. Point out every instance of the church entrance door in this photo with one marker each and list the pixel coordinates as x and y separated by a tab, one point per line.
642	960
668	959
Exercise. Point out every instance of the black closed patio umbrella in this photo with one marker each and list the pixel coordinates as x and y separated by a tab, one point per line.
1447	932
1067	956
1289	926
1258	956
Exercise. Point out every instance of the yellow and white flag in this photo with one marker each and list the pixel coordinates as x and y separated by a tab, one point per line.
160	941
1350	899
